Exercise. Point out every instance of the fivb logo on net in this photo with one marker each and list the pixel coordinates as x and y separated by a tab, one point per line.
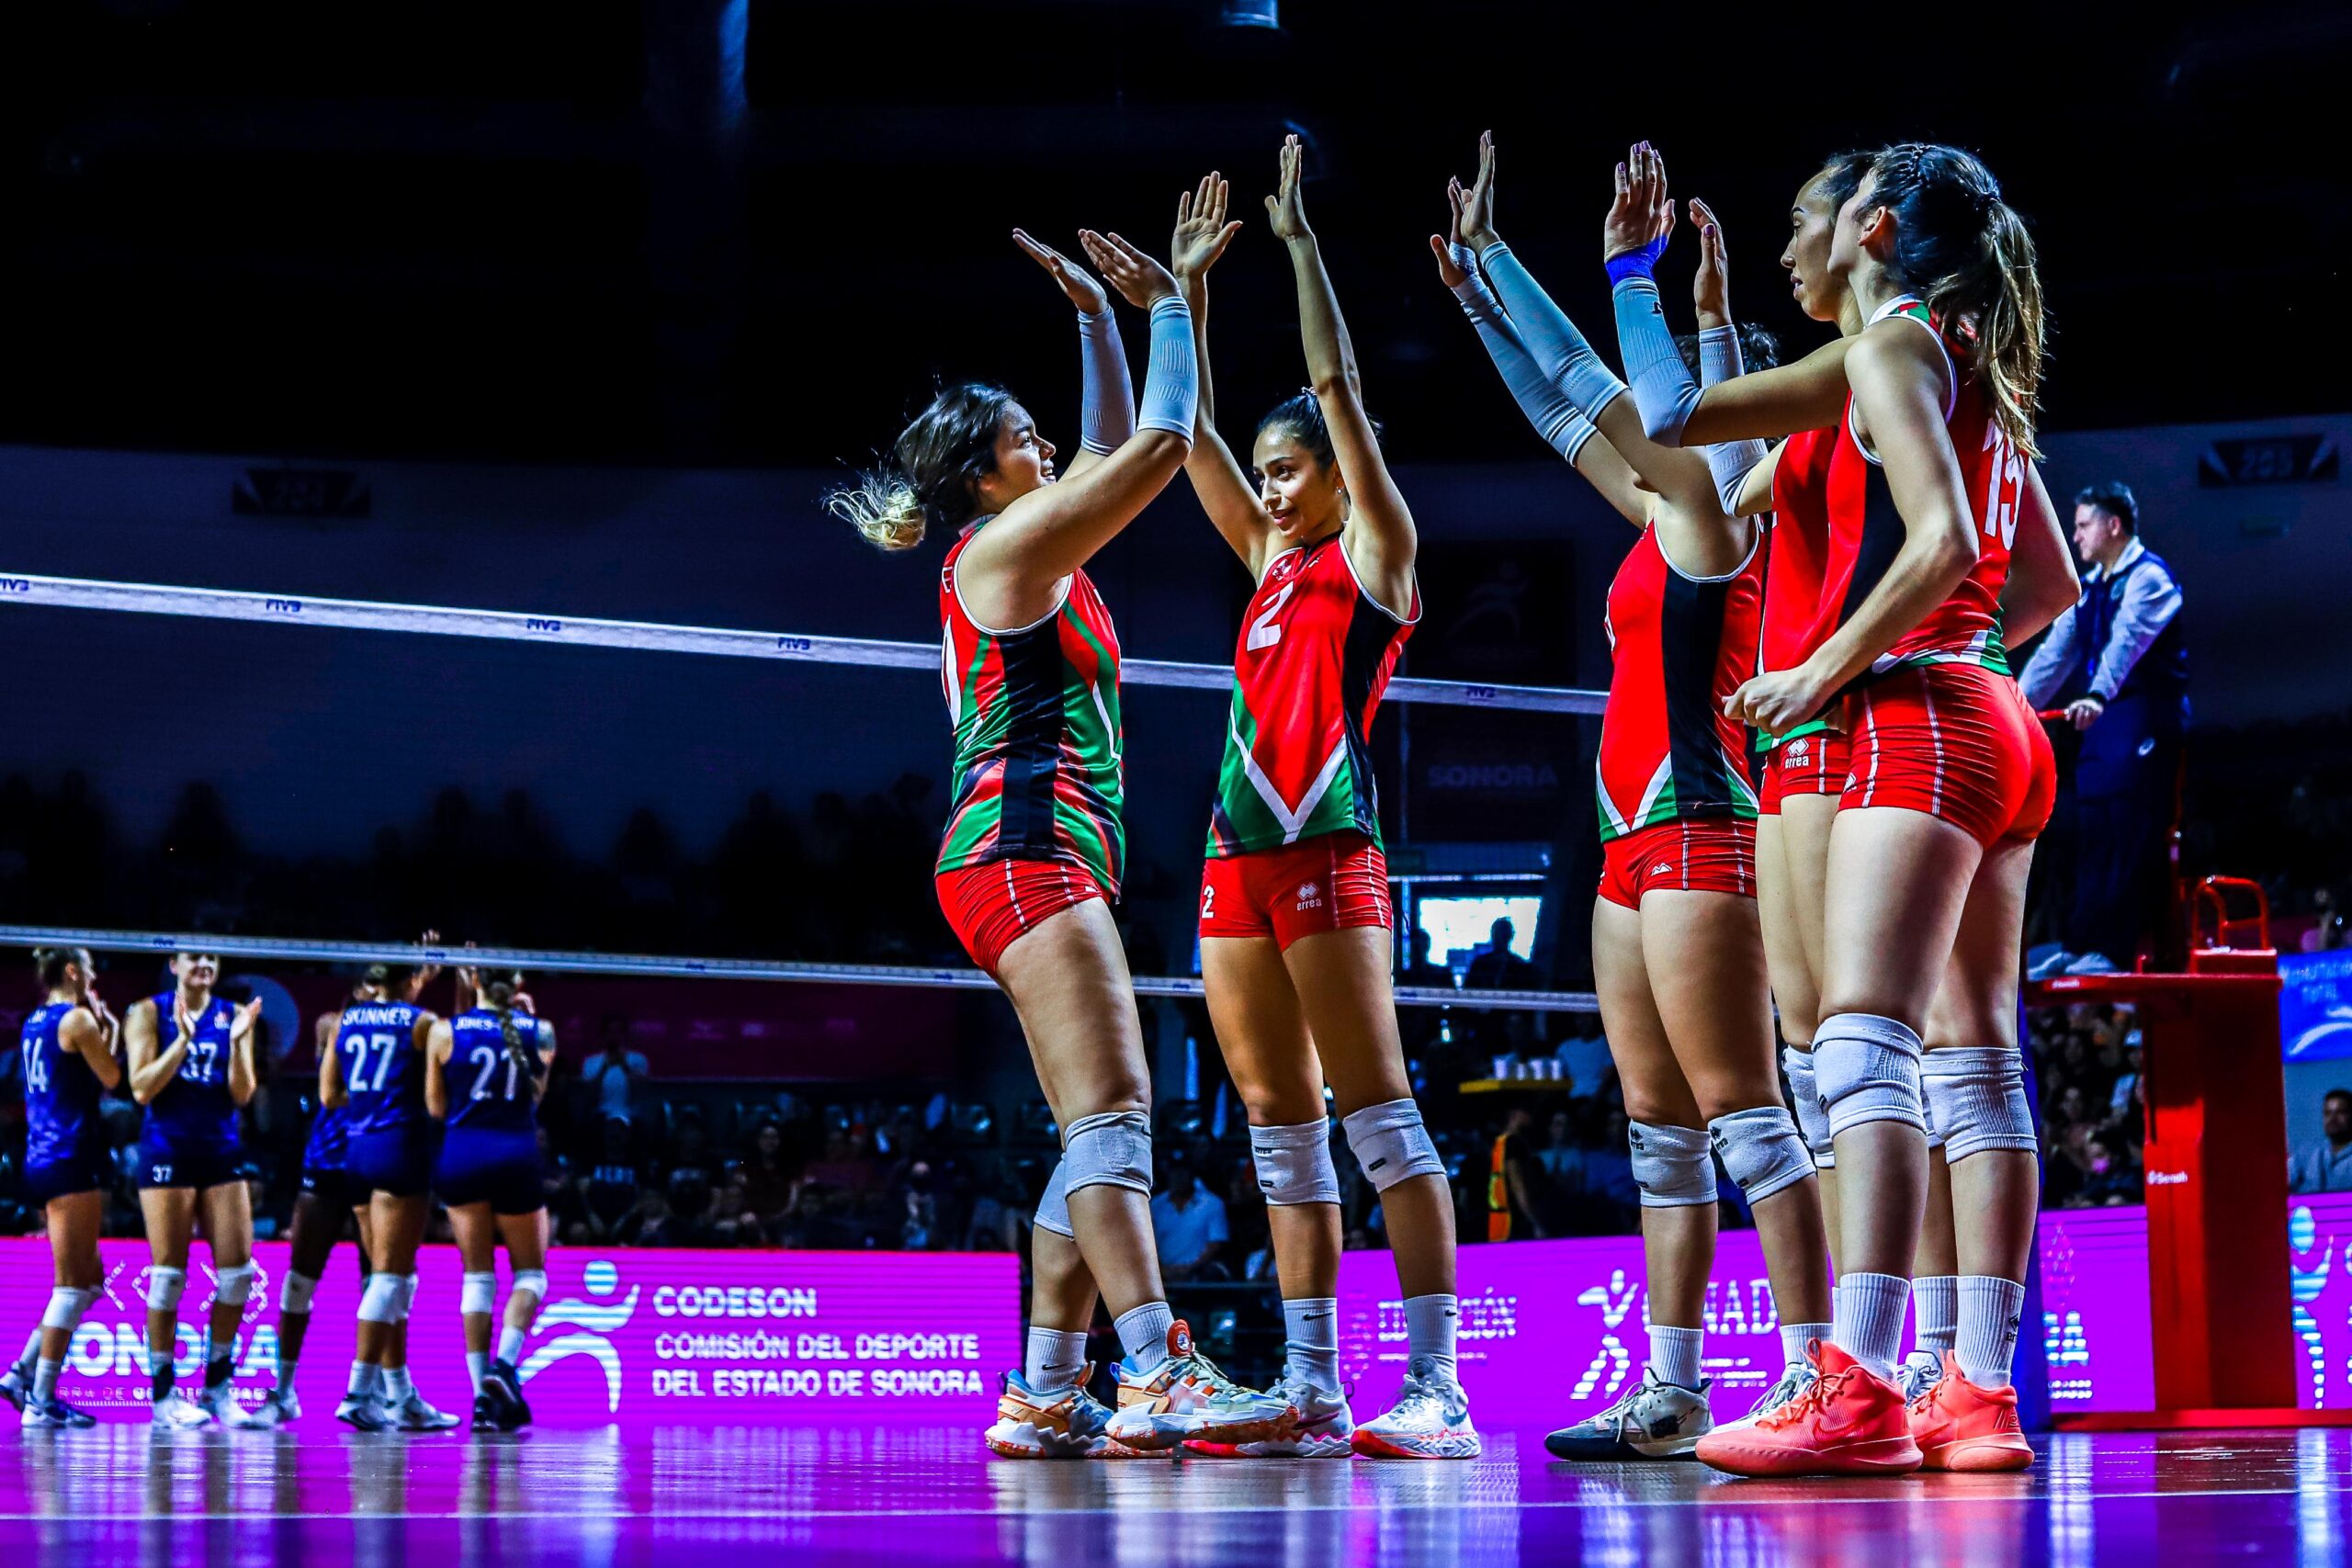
588	1322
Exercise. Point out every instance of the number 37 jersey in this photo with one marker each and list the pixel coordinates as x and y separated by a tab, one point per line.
1315	655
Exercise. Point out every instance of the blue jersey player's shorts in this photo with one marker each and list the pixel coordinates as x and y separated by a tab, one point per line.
398	1162
501	1169
336	1188
201	1166
87	1168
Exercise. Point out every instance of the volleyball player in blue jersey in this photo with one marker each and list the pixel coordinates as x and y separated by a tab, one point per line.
376	1076
191	1058
484	1072
69	1062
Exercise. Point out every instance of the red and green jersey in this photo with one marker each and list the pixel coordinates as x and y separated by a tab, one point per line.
1678	645
1038	735
1315	655
1866	531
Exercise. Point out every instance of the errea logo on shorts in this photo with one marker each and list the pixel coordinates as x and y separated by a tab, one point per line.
1663	868
1310	895
1799	749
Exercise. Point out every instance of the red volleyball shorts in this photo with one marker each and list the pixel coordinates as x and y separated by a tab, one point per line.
996	904
1956	741
1807	764
1698	854
1329	882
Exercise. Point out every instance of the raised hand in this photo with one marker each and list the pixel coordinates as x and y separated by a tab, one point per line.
1083	291
1711	285
1641	217
1287	206
241	1024
1456	259
1478	201
1137	277
1201	230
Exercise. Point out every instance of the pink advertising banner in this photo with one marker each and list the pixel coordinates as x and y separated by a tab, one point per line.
710	1338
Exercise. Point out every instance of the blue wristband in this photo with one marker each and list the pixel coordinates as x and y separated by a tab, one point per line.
1636	263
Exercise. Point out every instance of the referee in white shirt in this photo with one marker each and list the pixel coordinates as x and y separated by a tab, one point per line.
2119	664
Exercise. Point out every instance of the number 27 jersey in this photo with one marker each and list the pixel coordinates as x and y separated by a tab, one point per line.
1315	655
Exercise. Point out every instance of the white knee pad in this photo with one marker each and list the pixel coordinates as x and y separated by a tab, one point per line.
1294	1162
384	1299
295	1291
534	1280
1110	1149
408	1296
1761	1149
66	1305
163	1288
1053	1204
1805	1096
234	1286
1977	1098
1674	1167
1867	1069
1928	1108
477	1293
1391	1144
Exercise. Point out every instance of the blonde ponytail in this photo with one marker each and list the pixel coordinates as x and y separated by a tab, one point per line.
883	508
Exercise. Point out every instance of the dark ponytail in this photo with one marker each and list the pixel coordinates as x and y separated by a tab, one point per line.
1966	252
497	992
932	472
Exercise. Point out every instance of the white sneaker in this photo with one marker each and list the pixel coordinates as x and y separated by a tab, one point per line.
177	1412
1921	1370
415	1415
1187	1395
1326	1426
283	1405
220	1403
1057	1424
1430	1420
1795	1378
1657	1419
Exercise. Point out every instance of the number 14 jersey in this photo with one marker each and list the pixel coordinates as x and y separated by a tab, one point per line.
1316	653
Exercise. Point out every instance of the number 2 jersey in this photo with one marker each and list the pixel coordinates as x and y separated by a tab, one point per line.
1678	645
1866	531
1038	733
1315	655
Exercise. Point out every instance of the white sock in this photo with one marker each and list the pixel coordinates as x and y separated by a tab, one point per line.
1935	1311
478	1367
1430	1322
45	1373
365	1380
1143	1335
1870	1318
1674	1354
1055	1358
1311	1340
1795	1336
510	1346
286	1373
397	1386
1990	1308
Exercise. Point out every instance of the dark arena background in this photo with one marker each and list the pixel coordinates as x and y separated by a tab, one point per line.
415	427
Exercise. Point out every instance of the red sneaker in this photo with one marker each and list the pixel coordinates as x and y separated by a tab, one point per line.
1964	1426
1850	1422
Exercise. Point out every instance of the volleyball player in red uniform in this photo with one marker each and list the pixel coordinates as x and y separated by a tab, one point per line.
1296	924
1677	953
1949	777
1035	845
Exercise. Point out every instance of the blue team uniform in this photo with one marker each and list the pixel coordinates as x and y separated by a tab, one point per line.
65	1142
492	1152
326	1160
383	1075
189	1137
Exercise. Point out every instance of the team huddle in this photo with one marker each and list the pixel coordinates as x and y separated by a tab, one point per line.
1819	790
411	1106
